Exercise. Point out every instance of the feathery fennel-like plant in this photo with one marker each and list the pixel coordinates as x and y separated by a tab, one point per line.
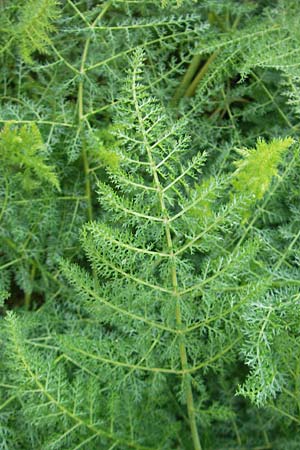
186	291
165	294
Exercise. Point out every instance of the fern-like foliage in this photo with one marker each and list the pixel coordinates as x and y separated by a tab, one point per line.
258	167
35	24
20	149
149	225
170	302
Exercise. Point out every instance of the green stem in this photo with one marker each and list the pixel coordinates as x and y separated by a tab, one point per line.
188	85
271	97
175	291
88	191
180	91
193	86
27	298
82	118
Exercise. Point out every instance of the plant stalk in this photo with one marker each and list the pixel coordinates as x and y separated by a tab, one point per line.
189	74
82	118
27	298
193	86
176	294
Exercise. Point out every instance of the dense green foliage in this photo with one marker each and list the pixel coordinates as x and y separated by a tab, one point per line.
149	225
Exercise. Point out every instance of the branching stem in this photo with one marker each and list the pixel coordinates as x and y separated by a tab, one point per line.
82	118
175	293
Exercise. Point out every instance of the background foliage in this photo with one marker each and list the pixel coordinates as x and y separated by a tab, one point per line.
149	217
